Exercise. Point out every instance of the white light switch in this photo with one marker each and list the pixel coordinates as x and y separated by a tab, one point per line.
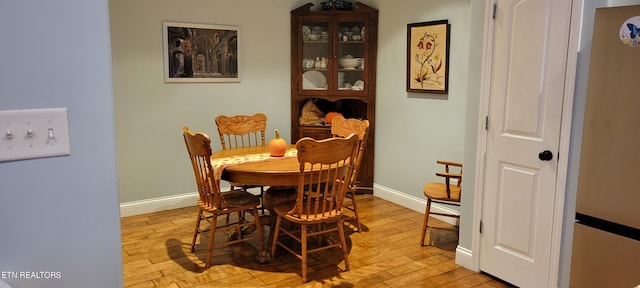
34	133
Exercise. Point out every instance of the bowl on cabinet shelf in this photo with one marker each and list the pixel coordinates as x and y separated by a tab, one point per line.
349	62
343	5
338	4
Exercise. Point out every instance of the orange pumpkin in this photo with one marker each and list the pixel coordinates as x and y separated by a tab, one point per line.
330	115
277	146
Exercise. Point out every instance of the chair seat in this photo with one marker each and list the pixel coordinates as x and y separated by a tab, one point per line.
438	191
239	198
235	199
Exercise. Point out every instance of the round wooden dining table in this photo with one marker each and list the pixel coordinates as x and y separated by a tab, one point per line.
273	171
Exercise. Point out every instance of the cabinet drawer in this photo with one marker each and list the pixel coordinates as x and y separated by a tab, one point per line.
315	132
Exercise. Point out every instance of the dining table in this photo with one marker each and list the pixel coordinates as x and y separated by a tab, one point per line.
255	166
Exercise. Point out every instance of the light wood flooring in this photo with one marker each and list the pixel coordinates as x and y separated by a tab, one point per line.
387	253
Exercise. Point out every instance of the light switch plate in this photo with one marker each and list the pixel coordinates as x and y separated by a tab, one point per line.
34	133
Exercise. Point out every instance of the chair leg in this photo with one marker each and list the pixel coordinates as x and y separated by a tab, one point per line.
262	208
319	227
424	223
303	243
241	221
355	210
197	230
214	225
274	233
343	241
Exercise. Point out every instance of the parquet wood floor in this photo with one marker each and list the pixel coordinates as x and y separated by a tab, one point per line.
387	253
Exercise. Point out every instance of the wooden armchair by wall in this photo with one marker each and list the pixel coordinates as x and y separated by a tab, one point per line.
444	193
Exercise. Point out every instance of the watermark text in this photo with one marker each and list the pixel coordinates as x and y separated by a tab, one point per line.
30	275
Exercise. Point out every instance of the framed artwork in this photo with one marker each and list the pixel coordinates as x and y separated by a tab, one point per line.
428	57
201	53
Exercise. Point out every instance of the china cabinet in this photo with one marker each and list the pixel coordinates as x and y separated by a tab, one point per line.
333	69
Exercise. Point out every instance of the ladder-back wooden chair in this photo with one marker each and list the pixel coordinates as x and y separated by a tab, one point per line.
444	193
321	191
341	127
242	131
213	202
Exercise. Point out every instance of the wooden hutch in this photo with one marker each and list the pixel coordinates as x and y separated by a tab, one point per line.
333	69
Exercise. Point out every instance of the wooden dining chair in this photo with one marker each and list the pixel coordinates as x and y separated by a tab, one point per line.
342	127
444	193
214	203
239	131
325	174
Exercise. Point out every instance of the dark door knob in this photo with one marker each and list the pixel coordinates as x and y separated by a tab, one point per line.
545	155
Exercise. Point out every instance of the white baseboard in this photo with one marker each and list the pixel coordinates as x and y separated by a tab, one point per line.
464	258
158	204
414	203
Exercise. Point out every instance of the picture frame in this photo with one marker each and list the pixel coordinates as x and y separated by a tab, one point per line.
428	57
201	52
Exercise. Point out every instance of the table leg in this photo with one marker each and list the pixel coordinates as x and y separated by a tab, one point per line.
264	256
272	197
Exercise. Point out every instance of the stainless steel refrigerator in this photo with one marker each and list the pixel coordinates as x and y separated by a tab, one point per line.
606	243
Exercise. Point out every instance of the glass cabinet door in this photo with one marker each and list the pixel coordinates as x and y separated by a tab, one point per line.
351	55
315	55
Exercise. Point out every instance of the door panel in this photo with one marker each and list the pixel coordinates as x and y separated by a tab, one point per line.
526	94
514	227
524	78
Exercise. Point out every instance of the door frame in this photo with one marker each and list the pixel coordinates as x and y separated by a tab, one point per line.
565	137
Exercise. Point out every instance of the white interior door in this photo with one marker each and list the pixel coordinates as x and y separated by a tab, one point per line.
526	95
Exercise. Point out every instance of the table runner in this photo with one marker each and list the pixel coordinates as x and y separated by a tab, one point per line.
219	164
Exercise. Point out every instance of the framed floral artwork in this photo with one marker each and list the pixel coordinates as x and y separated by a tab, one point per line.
201	52
428	57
